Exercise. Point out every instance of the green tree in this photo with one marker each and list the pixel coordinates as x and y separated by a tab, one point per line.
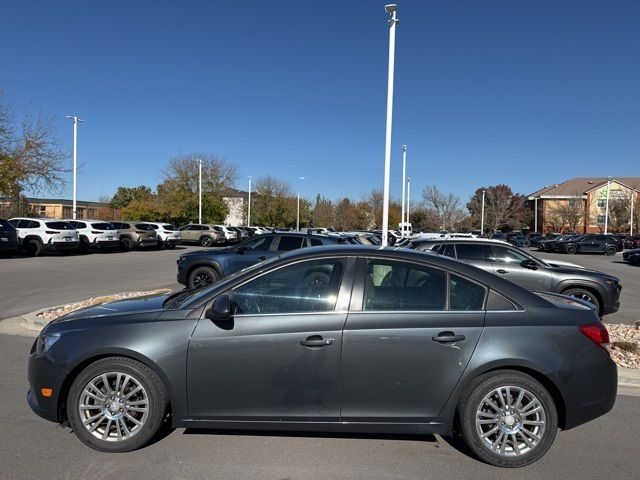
274	205
125	195
145	210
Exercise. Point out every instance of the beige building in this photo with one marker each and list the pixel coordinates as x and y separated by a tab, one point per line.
580	205
62	208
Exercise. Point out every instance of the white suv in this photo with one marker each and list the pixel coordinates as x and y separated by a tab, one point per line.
229	235
96	234
36	235
168	234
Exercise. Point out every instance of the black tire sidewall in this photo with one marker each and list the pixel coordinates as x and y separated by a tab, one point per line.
143	374
476	392
610	251
203	269
34	247
207	240
571	249
126	244
572	291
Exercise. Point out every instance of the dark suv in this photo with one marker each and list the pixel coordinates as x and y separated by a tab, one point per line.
205	267
8	238
532	273
596	243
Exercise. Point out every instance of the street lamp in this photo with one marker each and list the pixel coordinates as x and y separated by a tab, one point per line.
75	158
633	194
408	198
391	10
249	205
404	181
298	214
482	215
606	211
199	190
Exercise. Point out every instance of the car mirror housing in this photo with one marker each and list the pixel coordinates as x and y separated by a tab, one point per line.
220	311
530	264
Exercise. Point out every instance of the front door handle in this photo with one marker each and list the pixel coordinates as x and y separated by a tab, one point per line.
448	337
316	341
502	271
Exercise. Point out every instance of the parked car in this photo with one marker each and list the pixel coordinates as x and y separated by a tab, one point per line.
203	234
632	242
518	240
335	339
549	244
38	235
595	243
499	236
96	234
230	235
8	238
204	268
632	256
600	289
135	235
242	234
168	234
535	238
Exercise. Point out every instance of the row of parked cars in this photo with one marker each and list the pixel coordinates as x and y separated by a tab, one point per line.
37	235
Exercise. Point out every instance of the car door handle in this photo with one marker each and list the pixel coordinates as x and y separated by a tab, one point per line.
502	271
448	337
262	258
316	341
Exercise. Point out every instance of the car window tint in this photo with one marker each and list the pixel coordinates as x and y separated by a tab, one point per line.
501	254
310	286
22	223
33	224
391	285
465	294
315	242
262	242
14	222
169	228
143	226
495	301
289	243
78	224
59	225
102	226
447	249
469	251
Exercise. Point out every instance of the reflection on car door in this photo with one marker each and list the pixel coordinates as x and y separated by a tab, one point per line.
251	252
507	263
279	358
404	346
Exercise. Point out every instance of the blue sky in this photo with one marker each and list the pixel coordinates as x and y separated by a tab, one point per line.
494	91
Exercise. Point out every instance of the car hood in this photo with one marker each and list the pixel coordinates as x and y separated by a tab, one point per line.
120	307
562	271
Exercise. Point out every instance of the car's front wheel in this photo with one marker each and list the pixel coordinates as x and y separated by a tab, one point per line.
610	250
202	277
116	404
206	241
507	418
571	249
585	295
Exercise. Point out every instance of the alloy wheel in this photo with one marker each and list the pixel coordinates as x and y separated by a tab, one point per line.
113	406
511	421
202	280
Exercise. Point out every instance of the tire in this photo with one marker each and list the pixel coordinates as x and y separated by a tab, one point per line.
584	294
170	246
159	245
571	249
34	247
610	251
126	244
151	395
475	407
203	277
206	241
84	245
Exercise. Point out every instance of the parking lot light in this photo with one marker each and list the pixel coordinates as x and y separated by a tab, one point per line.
249	205
75	159
200	190
606	210
482	215
404	180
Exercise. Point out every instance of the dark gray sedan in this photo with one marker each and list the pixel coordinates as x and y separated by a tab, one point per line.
335	339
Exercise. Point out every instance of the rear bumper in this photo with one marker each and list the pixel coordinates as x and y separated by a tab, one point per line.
8	245
107	243
147	242
57	246
172	241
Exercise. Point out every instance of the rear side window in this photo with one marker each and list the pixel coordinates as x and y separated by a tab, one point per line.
469	251
495	301
102	226
262	242
60	225
447	249
464	294
316	242
31	224
143	226
290	243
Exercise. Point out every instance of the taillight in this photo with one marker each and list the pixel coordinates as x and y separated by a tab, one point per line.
50	232
95	232
139	232
598	334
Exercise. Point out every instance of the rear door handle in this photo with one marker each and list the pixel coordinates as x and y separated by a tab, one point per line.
502	270
316	341
448	337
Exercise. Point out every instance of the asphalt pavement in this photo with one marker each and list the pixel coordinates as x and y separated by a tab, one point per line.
33	448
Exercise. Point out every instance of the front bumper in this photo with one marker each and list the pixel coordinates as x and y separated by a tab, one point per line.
43	373
107	243
611	301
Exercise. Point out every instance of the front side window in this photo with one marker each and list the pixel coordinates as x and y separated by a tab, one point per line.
259	243
290	243
506	255
469	251
310	286
447	249
391	285
316	243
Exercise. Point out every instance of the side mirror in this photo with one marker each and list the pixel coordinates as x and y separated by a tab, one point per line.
530	264
240	249
220	311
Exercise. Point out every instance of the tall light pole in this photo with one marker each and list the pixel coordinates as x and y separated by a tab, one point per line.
200	190
606	210
633	194
404	180
298	214
408	197
482	214
75	160
535	215
249	205
391	9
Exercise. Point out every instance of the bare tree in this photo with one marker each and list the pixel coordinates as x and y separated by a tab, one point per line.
448	207
567	215
217	173
503	208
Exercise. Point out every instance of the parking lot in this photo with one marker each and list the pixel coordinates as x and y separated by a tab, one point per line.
29	283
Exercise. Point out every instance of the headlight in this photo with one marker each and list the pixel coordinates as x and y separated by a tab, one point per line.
613	283
46	341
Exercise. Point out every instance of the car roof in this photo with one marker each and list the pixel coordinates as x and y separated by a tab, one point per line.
461	240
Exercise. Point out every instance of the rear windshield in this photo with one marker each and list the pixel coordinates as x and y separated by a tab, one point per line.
60	225
103	226
5	225
170	228
143	226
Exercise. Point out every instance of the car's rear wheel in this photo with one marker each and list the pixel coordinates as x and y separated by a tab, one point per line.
116	404
170	245
508	418
584	294
610	250
571	249
126	244
202	277
34	247
206	241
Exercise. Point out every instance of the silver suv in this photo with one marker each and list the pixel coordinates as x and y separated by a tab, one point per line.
204	234
36	235
96	234
135	234
168	234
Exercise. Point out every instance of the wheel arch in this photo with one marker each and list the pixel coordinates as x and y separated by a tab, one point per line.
98	355
207	263
592	288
